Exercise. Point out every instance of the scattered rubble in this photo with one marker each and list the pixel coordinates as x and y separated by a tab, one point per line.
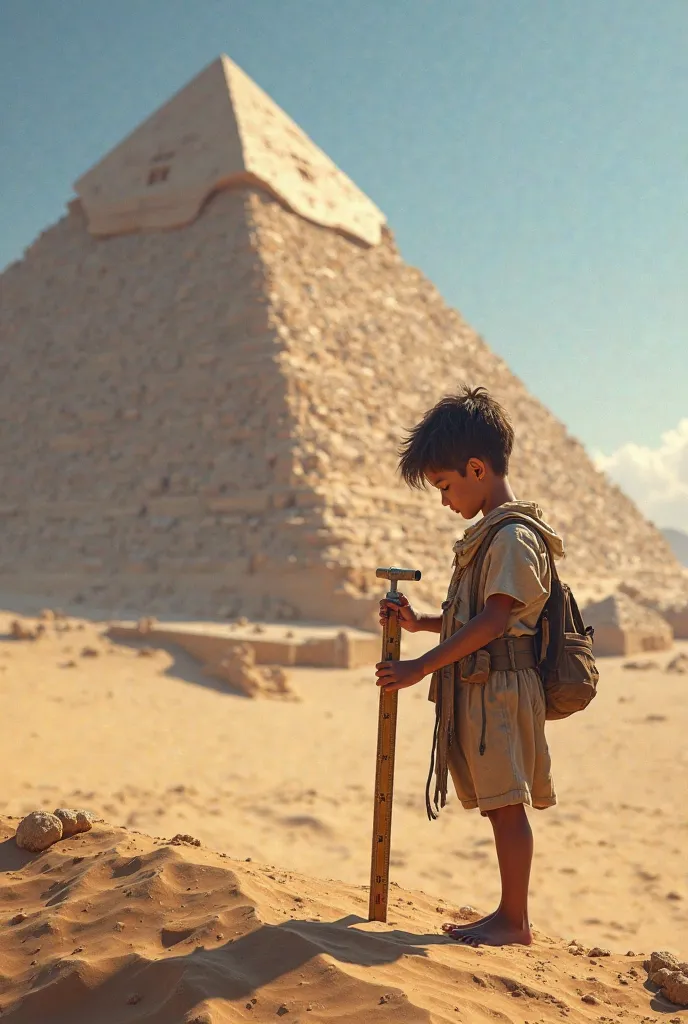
238	668
182	839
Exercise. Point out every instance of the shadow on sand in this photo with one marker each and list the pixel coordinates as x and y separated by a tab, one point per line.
167	991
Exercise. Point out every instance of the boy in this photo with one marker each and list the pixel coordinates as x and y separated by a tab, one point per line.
490	732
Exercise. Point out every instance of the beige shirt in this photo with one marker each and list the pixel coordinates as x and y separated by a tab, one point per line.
516	564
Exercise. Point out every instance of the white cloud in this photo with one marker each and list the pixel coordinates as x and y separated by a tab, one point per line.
656	478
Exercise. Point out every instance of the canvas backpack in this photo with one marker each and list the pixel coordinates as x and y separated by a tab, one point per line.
563	642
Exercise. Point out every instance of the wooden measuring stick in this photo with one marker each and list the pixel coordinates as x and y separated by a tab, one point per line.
384	766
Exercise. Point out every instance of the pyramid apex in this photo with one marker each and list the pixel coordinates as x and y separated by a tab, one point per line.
221	130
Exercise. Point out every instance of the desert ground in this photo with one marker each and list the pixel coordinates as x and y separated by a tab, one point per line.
152	743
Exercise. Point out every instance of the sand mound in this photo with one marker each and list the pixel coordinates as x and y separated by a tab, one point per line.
114	926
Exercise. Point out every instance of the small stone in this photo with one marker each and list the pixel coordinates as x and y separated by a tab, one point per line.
679	664
145	652
47	615
146	624
242	621
258	629
590	998
89	652
37	831
18	918
673	895
118	926
597	951
467	912
19	631
73	821
282	1010
134	998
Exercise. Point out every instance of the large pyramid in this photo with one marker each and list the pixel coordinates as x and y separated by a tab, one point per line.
203	419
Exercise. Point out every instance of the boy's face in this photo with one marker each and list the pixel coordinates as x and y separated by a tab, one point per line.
464	495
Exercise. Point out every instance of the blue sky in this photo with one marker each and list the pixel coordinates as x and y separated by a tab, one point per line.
531	156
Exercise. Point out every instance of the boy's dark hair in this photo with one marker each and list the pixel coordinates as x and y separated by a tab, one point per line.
468	425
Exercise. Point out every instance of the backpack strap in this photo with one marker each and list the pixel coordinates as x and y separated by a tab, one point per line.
480	555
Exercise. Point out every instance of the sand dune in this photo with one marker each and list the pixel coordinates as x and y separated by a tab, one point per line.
115	926
150	743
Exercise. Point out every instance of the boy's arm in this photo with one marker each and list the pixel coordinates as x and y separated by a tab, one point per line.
481	630
488	625
429	624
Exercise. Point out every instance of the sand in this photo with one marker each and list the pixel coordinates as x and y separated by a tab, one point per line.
113	926
150	743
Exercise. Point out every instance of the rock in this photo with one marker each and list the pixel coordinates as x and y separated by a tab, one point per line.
20	631
90	652
670	975
467	912
675	987
47	615
37	831
597	951
641	666
146	624
145	652
242	621
73	821
678	665
238	668
181	839
623	626
590	998
663	960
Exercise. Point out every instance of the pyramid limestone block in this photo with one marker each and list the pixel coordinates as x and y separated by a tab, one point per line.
221	130
623	627
230	396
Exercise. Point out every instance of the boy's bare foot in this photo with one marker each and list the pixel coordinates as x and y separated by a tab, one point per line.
496	930
450	926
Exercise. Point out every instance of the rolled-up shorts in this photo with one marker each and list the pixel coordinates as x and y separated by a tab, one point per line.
515	767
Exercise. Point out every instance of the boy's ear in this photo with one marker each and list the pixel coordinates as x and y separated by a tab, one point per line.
476	467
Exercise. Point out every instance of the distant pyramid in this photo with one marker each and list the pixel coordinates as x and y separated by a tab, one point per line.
205	418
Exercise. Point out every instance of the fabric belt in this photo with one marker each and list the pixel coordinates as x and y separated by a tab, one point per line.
511	653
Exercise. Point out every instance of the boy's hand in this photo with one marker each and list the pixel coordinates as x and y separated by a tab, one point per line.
396	675
408	619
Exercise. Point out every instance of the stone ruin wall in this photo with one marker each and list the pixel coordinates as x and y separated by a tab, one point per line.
199	422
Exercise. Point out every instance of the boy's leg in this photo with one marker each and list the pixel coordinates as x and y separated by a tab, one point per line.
514	843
